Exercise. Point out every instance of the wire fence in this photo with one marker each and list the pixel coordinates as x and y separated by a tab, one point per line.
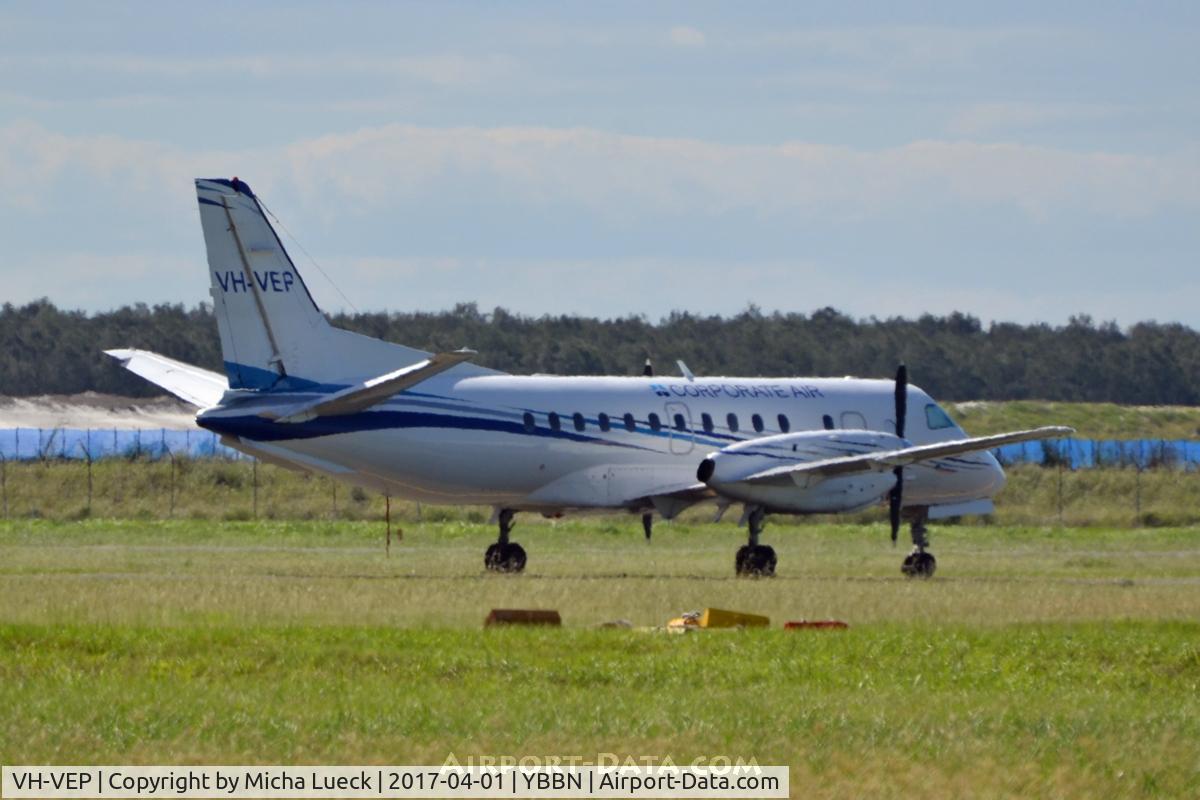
24	444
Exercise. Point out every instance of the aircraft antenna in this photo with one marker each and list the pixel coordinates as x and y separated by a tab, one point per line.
308	255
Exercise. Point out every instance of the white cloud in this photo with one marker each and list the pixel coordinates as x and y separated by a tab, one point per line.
686	36
618	176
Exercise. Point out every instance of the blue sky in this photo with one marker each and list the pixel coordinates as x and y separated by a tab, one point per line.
1008	160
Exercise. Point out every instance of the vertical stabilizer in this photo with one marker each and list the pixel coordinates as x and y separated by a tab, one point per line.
273	336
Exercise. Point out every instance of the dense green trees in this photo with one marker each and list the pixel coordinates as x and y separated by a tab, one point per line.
48	350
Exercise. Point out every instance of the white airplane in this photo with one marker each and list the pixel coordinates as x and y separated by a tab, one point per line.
439	429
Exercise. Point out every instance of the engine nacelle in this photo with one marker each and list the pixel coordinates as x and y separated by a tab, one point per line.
726	471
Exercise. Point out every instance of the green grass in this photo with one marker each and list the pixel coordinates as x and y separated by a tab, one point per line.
1092	420
235	491
1039	662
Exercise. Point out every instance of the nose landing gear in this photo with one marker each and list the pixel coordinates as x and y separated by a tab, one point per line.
503	555
919	563
754	559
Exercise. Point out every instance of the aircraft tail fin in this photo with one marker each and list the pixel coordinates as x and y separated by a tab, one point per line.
273	336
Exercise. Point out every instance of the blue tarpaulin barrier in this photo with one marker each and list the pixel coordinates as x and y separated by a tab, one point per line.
1089	453
23	444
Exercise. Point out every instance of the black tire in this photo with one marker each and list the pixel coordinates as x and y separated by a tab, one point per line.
512	558
763	561
491	557
508	557
739	561
758	561
919	565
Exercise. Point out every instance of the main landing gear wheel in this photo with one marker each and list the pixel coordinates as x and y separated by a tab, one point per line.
758	560
509	557
919	563
754	559
503	555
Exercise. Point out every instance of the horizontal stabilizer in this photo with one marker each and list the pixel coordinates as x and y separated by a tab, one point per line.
370	392
200	387
890	459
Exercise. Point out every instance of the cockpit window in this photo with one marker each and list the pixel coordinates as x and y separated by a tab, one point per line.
937	419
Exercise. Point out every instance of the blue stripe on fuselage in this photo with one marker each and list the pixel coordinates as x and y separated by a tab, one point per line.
257	428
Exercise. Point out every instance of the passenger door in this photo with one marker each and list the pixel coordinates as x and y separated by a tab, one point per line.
679	423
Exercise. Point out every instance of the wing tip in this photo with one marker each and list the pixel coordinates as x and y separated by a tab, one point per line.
120	354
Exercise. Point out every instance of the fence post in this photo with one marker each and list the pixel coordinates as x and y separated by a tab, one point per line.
87	452
1137	494
171	456
254	471
1060	499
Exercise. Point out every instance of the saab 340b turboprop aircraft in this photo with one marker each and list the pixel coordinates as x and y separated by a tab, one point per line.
437	428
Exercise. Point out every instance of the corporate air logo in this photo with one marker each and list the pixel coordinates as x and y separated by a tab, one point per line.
737	390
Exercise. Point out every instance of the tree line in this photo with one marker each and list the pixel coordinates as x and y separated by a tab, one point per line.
47	350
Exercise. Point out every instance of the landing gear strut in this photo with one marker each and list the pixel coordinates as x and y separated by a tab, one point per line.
754	559
503	555
919	563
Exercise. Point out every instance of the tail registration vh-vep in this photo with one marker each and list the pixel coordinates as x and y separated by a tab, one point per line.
436	427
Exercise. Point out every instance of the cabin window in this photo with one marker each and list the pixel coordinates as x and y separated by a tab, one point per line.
827	421
655	423
605	425
784	425
706	421
629	423
577	418
680	423
530	425
757	422
555	424
936	418
731	421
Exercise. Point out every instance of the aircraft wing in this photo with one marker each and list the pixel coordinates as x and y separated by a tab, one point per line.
375	390
200	387
889	459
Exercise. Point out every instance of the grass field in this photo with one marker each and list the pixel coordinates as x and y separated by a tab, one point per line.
236	491
1092	420
1039	662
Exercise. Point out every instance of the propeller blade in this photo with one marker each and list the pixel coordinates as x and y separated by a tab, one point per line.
896	496
648	370
647	524
895	502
